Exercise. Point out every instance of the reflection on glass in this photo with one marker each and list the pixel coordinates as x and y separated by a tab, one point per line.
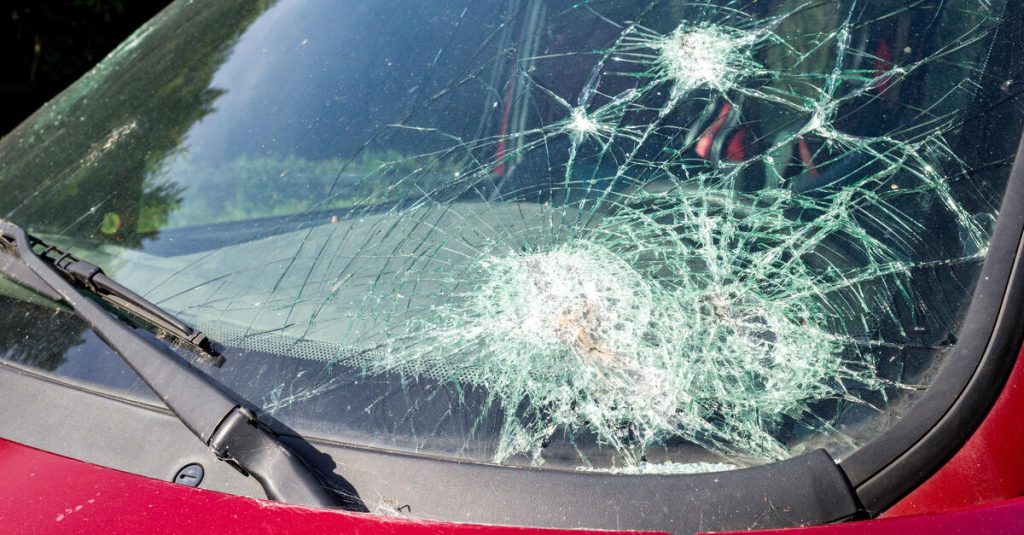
21	340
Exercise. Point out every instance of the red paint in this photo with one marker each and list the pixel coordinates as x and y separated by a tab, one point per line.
998	518
42	492
990	466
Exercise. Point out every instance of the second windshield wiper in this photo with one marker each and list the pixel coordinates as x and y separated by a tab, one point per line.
221	421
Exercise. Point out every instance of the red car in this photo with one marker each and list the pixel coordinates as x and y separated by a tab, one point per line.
502	265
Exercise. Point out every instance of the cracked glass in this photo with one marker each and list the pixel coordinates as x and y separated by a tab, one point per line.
628	236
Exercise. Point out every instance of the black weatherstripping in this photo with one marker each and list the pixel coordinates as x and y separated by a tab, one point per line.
221	422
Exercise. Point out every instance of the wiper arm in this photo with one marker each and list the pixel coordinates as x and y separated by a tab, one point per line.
87	276
221	421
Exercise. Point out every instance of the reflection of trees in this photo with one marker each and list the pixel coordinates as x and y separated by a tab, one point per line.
80	167
36	336
251	187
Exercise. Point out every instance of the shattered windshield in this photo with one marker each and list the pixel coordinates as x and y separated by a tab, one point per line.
636	236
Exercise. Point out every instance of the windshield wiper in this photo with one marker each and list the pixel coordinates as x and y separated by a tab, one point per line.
222	422
88	276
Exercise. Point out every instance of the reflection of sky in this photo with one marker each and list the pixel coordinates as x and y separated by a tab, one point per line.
312	79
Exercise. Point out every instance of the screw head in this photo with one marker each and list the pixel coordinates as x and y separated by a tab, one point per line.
190	475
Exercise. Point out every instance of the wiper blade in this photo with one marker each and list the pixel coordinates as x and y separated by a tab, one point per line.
88	276
222	422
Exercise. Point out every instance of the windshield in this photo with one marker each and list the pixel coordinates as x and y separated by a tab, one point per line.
638	236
